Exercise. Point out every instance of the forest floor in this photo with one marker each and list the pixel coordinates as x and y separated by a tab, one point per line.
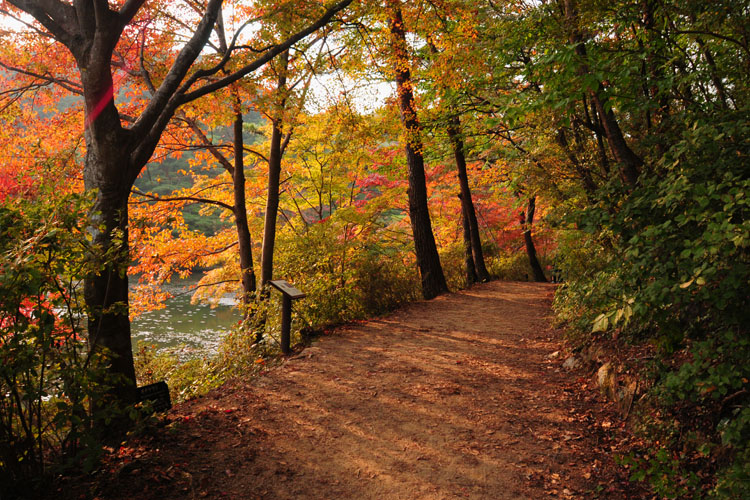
456	397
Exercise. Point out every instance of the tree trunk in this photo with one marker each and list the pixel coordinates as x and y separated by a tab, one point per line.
454	132
106	288
603	159
471	272
239	207
108	173
274	177
630	163
428	260
589	186
245	244
527	222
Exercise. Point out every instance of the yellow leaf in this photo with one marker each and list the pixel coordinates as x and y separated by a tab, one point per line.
600	323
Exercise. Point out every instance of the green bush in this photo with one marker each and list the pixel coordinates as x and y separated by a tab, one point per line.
589	277
452	260
47	375
675	274
514	266
343	279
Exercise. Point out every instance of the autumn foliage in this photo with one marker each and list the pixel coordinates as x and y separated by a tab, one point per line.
606	142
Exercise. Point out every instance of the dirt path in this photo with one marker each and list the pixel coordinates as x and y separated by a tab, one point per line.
451	398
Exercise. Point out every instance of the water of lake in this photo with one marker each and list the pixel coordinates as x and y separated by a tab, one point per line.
194	329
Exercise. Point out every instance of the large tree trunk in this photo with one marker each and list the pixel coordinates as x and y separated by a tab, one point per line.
245	244
454	132
428	260
274	177
527	222
107	172
106	289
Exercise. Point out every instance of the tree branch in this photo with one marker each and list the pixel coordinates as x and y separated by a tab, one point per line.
206	143
62	82
270	54
183	198
56	16
163	104
128	11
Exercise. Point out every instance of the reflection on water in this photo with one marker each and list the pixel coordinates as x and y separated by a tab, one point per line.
196	328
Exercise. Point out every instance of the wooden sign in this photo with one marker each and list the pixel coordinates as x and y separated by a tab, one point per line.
157	394
287	289
288	293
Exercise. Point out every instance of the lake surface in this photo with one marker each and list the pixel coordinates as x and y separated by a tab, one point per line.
194	330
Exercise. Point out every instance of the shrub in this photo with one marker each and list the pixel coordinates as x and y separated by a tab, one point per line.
344	279
47	375
676	275
514	266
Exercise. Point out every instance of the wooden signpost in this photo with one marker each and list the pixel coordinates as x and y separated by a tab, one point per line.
157	394
288	293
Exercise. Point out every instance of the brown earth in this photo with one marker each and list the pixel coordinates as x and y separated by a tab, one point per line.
451	398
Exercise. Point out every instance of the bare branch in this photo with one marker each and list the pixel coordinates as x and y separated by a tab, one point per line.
270	54
68	85
195	199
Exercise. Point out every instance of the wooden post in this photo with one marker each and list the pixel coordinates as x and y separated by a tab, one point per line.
288	293
286	323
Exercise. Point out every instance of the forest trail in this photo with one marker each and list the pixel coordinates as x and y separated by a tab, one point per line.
449	398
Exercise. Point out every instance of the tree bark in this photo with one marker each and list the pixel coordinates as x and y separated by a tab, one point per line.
471	272
106	290
454	133
428	259
105	172
528	221
589	186
274	177
244	241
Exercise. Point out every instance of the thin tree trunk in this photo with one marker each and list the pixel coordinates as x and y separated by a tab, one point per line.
528	221
630	163
589	186
601	149
471	272
721	91
274	176
428	259
454	133
245	244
